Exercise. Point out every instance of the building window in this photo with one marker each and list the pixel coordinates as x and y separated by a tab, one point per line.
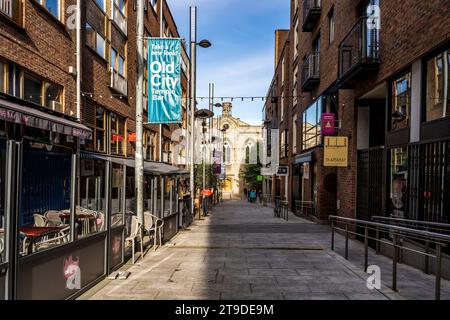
294	134
2	77
100	130
53	6
117	62
282	107
149	145
296	38
311	126
154	2
95	41
438	86
285	143
295	87
401	102
283	71
399	182
101	4
226	153
13	83
32	89
53	97
331	25
117	134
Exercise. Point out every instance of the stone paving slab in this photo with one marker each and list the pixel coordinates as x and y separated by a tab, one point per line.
241	252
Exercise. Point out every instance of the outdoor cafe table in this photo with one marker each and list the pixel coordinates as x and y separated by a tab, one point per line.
85	218
33	233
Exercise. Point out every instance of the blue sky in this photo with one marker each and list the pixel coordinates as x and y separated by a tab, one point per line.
241	59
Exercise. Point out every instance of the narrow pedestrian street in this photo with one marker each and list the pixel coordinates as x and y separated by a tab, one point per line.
241	252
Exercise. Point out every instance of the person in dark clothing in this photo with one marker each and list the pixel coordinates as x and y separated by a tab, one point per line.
246	193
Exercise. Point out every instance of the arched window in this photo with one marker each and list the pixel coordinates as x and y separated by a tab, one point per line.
226	152
250	152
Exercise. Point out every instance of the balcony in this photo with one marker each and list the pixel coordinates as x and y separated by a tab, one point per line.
11	9
118	82
359	52
118	17
311	72
311	14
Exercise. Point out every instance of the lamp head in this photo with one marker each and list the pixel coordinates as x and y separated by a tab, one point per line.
204	43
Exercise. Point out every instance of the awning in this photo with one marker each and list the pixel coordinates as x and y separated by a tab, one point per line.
149	167
303	158
13	112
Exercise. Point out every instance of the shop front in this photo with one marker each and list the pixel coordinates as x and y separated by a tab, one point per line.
64	213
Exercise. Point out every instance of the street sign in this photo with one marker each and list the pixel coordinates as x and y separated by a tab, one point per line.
336	152
328	120
164	85
283	171
260	178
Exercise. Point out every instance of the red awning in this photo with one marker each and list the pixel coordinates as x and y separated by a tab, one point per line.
27	116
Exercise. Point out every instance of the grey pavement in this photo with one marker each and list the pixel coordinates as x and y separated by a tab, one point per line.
241	252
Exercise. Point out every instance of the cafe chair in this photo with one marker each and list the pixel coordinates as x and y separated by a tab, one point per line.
40	220
61	238
53	218
153	224
135	235
2	247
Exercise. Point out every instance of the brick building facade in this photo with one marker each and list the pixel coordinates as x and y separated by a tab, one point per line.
381	68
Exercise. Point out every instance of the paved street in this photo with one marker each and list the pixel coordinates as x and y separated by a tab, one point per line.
242	252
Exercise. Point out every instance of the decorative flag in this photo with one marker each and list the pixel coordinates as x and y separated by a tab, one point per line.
164	75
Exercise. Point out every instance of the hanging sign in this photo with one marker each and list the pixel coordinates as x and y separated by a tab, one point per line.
328	120
164	71
336	152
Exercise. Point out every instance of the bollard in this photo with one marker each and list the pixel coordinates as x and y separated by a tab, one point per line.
332	235
366	249
346	242
394	265
438	271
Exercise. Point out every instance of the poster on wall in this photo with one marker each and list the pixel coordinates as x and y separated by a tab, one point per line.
336	152
164	85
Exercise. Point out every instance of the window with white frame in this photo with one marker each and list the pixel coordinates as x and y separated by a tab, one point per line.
331	26
282	107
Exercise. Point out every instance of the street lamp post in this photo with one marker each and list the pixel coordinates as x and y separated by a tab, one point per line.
192	77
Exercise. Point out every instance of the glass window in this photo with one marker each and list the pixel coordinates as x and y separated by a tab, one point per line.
121	66
149	145
2	77
331	26
130	196
117	194
401	102
100	134
53	94
148	194
117	135
53	6
438	87
167	196
294	134
113	59
45	197
311	127
399	182
101	4
100	45
90	211
90	36
14	81
2	200
32	89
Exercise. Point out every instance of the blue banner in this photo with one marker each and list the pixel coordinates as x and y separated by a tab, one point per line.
164	80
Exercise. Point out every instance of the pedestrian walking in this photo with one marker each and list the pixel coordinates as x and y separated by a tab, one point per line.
246	193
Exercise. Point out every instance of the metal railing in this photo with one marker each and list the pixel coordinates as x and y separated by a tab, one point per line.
442	228
309	6
119	82
361	45
119	17
311	67
398	234
305	208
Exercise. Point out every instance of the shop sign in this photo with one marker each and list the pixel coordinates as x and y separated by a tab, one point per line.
336	152
328	121
283	171
131	137
260	178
